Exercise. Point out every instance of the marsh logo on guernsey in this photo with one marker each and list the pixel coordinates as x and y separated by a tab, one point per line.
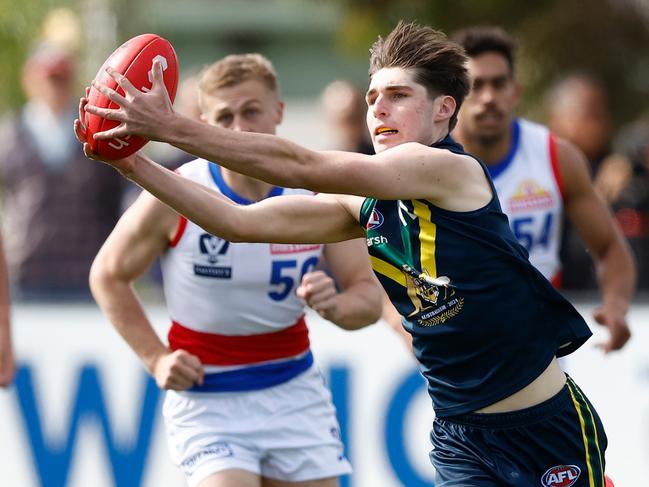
375	220
530	196
561	476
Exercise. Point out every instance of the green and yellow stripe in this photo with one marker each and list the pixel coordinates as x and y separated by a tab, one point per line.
589	436
427	236
388	270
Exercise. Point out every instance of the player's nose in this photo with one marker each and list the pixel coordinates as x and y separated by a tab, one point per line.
240	125
380	108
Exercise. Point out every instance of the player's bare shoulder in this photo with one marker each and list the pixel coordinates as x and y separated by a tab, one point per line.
457	181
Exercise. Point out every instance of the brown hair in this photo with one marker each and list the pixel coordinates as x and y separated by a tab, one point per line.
485	38
236	69
437	63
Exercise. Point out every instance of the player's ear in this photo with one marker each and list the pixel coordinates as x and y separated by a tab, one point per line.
280	112
445	107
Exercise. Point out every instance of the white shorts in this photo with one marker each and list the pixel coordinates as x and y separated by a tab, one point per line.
287	432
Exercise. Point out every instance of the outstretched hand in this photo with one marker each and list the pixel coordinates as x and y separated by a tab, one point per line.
145	114
618	329
122	165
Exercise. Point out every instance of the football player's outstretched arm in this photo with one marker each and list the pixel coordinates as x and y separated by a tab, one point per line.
408	171
285	219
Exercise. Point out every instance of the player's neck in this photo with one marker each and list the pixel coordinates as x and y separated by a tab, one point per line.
490	150
247	187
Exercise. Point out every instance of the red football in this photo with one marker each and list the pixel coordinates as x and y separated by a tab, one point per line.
134	59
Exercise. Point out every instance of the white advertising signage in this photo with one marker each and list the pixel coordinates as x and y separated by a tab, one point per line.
82	410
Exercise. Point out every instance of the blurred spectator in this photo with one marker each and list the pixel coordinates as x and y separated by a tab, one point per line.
344	108
58	208
624	178
578	110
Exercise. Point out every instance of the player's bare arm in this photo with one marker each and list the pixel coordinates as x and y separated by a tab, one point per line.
7	362
408	171
613	259
141	235
304	219
358	303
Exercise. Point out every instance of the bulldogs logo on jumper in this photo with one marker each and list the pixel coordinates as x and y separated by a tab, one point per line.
561	476
212	259
530	196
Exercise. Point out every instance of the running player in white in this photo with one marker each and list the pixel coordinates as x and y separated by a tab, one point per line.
245	407
539	176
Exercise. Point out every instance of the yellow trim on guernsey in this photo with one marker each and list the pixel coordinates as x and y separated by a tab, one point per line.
388	270
427	235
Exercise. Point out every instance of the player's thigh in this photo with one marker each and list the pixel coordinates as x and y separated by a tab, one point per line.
329	482
231	478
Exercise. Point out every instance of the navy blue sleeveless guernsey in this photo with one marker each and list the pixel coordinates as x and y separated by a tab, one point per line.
485	323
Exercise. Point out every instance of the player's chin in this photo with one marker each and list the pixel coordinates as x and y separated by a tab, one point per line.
385	144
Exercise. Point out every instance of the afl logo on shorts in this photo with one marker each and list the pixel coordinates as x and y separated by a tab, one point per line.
375	221
561	476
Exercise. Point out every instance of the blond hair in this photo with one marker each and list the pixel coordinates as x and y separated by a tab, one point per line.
235	69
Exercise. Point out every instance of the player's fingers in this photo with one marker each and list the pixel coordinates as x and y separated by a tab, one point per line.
313	276
325	307
300	292
114	133
176	383
109	93
79	131
201	377
158	75
599	317
195	363
107	113
82	111
316	282
190	360
321	294
89	153
123	82
618	337
184	373
7	371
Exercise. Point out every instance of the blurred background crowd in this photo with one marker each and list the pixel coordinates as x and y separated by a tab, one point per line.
584	70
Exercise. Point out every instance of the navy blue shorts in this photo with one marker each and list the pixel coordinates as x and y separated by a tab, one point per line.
558	443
